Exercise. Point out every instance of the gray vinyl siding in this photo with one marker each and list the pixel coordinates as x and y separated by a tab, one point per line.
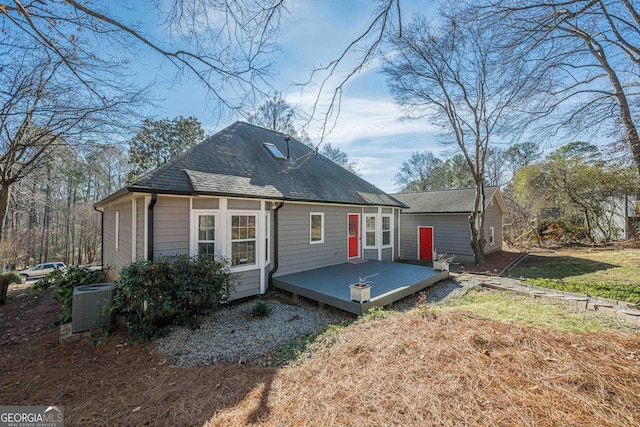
171	226
246	284
409	236
243	204
493	218
140	214
450	234
370	254
205	203
387	254
121	257
296	253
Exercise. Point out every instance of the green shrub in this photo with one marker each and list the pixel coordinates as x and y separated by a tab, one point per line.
374	313
176	288
260	309
629	293
5	280
66	280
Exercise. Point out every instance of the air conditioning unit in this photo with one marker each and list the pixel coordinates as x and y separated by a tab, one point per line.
91	306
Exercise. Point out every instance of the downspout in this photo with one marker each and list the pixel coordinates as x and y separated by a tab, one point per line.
275	245
152	203
101	235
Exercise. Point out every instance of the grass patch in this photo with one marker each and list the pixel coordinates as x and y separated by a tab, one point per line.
511	308
629	293
582	266
607	274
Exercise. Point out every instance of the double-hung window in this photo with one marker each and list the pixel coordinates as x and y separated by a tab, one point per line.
492	235
316	228
370	231
386	230
206	234
243	239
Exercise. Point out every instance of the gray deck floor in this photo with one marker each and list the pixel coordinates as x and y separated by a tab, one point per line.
390	282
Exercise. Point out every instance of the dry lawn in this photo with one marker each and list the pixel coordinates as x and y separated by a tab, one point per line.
453	369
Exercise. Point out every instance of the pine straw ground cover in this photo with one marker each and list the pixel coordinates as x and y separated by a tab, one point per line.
453	369
428	367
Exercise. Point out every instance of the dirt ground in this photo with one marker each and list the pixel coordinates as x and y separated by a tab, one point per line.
495	263
123	383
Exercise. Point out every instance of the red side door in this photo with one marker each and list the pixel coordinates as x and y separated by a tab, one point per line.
425	243
354	236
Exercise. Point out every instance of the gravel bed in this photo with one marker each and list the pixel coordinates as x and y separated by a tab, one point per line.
445	289
232	335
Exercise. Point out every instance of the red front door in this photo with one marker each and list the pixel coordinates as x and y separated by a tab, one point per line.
354	236
425	243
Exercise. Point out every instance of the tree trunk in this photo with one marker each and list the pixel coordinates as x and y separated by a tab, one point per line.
31	226
5	191
476	224
67	226
626	117
44	244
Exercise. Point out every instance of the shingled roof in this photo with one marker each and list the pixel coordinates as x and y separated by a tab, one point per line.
235	162
447	201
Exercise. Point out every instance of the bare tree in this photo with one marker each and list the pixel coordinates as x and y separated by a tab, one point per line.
420	173
278	115
358	54
495	166
454	75
226	45
41	109
336	155
594	60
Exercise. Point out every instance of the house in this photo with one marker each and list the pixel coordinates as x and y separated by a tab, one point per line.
623	217
438	222
268	203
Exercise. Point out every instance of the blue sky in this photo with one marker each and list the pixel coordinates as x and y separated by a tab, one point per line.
368	128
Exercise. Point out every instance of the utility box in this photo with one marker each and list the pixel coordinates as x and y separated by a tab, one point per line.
91	307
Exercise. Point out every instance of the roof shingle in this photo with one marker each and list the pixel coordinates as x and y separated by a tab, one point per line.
443	201
234	162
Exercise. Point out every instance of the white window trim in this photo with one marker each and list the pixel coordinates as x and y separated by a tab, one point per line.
390	244
117	231
193	250
492	236
321	215
134	229
375	230
258	245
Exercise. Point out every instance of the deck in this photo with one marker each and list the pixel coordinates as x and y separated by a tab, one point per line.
390	282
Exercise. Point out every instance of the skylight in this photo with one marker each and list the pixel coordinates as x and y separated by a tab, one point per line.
273	150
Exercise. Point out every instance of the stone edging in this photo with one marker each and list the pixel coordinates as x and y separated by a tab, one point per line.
623	310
